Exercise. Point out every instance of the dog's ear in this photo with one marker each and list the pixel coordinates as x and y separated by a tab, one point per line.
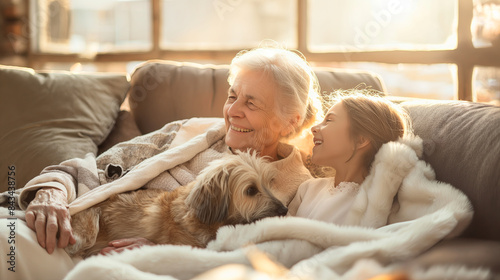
210	198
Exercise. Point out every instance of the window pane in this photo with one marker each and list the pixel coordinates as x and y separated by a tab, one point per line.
88	27
485	25
361	25
487	85
434	81
227	24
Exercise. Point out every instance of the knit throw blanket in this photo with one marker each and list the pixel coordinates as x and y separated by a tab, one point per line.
195	136
183	148
399	212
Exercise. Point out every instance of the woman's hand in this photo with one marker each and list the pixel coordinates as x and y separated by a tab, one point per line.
49	217
121	245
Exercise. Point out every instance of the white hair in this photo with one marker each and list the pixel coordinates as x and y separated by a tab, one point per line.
298	85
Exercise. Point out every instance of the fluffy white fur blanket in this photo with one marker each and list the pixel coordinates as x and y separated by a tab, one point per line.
399	212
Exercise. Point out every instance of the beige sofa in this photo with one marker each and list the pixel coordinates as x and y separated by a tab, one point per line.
54	116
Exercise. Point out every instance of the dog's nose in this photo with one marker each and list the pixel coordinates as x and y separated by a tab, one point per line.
282	211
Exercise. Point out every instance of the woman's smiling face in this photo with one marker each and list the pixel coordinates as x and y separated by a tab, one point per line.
250	113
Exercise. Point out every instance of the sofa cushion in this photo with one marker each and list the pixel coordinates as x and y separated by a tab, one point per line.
165	91
331	79
461	142
53	116
124	129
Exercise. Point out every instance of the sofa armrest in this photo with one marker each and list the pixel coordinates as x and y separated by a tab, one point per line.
461	144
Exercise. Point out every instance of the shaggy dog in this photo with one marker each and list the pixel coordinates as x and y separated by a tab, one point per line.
231	190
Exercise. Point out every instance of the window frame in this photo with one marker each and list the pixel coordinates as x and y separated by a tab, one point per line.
465	56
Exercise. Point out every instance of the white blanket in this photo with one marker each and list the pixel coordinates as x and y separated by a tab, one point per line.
399	212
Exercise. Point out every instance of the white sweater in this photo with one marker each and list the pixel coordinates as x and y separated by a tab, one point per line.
319	199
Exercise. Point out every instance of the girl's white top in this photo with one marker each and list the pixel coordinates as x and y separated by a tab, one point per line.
320	199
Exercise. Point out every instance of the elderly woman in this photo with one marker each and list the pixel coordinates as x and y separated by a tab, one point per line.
273	97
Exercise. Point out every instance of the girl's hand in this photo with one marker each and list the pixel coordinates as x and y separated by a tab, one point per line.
121	245
49	217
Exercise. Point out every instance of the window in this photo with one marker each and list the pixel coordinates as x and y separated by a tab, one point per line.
223	24
88	27
359	25
485	24
445	49
432	81
487	84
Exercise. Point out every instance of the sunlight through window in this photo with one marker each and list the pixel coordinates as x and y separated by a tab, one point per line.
225	24
360	25
89	27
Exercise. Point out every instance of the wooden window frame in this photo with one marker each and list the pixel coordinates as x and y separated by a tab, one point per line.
465	56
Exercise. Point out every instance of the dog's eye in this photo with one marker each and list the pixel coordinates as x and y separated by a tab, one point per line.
252	191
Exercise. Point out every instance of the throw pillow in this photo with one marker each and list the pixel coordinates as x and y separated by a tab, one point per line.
49	117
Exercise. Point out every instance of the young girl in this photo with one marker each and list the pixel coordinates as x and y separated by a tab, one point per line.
354	129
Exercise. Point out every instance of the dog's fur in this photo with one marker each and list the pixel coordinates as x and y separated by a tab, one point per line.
231	190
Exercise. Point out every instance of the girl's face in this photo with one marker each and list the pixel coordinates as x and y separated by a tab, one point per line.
332	140
249	112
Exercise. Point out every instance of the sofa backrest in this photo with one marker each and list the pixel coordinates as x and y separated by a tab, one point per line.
462	144
165	91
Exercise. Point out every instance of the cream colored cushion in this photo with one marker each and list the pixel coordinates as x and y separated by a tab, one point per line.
53	116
